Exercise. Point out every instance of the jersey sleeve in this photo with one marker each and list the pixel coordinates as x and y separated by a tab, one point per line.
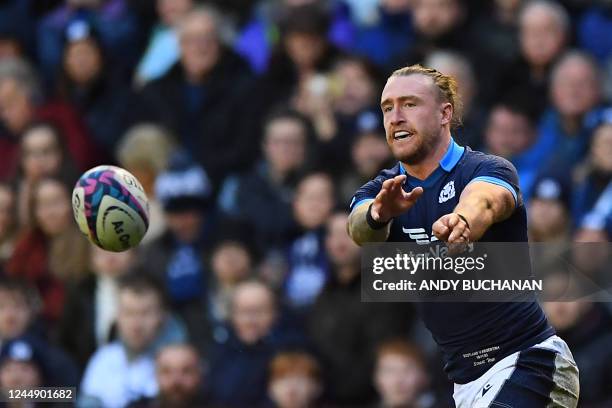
499	171
366	193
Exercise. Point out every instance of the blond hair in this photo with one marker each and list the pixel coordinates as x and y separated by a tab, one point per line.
145	145
446	84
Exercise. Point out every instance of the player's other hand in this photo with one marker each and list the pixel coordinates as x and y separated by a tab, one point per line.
451	228
392	200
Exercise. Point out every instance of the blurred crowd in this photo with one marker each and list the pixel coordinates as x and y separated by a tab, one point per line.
250	125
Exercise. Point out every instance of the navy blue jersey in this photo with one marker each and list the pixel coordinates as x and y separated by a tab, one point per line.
463	330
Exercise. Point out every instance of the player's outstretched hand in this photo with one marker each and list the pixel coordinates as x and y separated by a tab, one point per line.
392	200
451	228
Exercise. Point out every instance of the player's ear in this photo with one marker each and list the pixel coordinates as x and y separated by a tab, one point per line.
447	113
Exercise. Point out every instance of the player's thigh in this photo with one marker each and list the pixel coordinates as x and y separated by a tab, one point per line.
542	378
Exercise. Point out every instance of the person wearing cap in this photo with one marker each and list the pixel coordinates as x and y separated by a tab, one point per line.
178	257
21	365
114	20
549	210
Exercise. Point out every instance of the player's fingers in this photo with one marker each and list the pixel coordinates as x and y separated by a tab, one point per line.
453	220
400	179
387	184
457	233
440	230
414	194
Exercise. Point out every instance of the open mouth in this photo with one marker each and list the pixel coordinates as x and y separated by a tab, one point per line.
402	134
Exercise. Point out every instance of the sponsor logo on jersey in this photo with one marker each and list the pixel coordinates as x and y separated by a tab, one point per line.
419	235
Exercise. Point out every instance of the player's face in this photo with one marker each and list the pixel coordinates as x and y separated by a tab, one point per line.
413	116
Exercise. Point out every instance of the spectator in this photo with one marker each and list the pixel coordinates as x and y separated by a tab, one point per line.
438	25
42	154
390	35
472	113
17	28
22	103
370	154
495	29
163	46
51	252
595	175
124	371
401	377
303	53
549	210
179	373
112	19
591	255
198	98
8	222
511	131
594	31
585	327
295	380
238	366
91	305
145	151
262	197
543	35
19	305
178	257
10	46
231	263
88	82
308	265
21	366
565	130
345	330
345	101
255	43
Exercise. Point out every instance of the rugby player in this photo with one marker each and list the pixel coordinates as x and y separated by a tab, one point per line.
442	191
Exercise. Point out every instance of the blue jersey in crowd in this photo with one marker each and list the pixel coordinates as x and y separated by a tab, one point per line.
462	330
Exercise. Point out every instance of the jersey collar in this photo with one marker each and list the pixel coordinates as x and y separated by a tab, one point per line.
449	160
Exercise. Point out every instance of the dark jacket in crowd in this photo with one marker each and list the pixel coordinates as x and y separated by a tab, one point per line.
266	208
345	332
186	293
103	105
212	120
239	372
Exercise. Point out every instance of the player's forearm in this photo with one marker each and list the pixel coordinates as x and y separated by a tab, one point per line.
361	232
481	210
